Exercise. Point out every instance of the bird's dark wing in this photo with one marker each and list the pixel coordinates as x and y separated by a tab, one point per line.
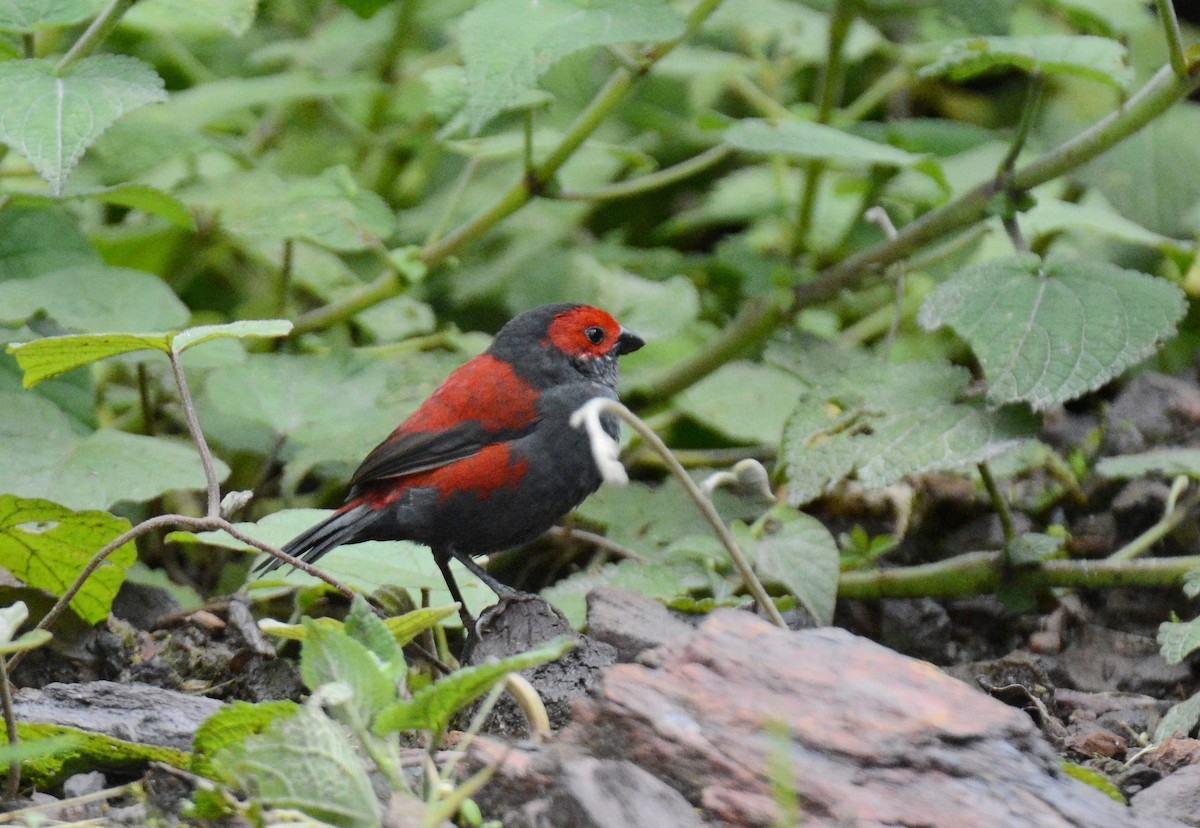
410	453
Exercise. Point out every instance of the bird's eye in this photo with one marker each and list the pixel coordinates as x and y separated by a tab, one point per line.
594	334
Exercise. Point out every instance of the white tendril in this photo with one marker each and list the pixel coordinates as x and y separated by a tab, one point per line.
605	450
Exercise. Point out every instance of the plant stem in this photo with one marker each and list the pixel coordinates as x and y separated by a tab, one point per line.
1170	24
95	34
653	181
12	786
206	459
1167	524
978	573
832	79
522	191
753	325
765	604
998	502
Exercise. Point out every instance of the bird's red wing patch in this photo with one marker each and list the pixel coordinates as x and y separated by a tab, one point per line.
490	469
486	390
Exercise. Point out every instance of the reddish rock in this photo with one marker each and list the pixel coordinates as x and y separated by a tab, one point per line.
858	734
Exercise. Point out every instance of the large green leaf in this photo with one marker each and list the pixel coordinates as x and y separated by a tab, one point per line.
31	15
808	140
52	118
1178	639
42	455
795	550
1047	332
172	16
508	44
36	240
42	359
231	724
880	422
303	762
1182	718
94	298
1168	461
46	546
744	400
431	707
1098	58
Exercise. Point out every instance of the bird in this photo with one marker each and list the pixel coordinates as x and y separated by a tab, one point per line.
489	461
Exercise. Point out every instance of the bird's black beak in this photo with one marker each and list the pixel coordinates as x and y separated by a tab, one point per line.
628	342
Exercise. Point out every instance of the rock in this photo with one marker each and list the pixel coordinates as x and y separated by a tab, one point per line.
1098	659
1120	713
602	793
518	624
1152	409
133	712
1172	803
857	734
919	627
631	622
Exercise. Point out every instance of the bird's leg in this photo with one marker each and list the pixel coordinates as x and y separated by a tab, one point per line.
479	572
442	554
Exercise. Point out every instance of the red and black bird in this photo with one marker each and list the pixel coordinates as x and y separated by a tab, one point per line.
489	461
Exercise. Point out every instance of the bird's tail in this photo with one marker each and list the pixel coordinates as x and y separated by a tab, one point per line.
340	527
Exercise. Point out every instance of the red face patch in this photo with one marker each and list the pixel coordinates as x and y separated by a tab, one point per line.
584	332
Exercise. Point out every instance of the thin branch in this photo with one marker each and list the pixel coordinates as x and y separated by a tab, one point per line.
652	181
998	503
599	541
1165	526
206	459
95	34
12	786
765	604
1170	24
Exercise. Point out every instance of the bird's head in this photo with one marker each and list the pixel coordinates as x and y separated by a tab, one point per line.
560	338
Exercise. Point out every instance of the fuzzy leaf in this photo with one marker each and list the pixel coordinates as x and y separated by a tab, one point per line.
46	546
31	15
1048	332
794	549
1097	58
51	118
172	16
231	724
508	44
304	762
431	707
1178	640
330	655
1182	718
880	422
94	298
807	140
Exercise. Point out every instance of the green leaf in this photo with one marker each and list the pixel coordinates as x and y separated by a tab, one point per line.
365	9
880	422
30	15
245	329
44	358
46	546
51	119
508	44
1182	718
329	210
1097	58
431	707
1092	777
303	762
745	401
794	549
1191	583
1051	216
364	567
173	16
94	298
1178	640
232	724
331	655
149	200
405	628
368	629
11	619
1048	332
1169	462
806	140
36	240
42	455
